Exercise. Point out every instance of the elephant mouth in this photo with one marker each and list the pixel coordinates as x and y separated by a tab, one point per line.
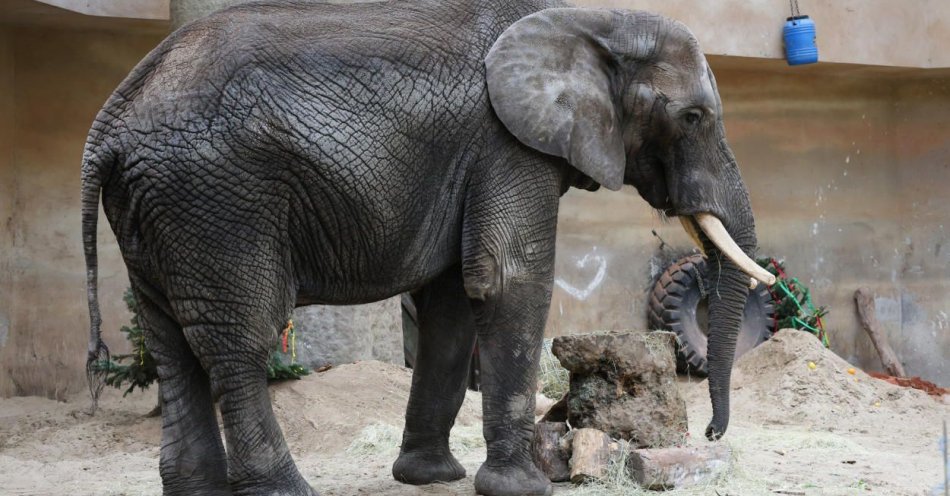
712	227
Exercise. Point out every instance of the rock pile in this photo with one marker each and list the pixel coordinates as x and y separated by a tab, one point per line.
624	384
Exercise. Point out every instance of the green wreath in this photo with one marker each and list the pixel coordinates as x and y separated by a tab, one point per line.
793	306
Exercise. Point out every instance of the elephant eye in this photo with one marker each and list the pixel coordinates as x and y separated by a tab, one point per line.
693	117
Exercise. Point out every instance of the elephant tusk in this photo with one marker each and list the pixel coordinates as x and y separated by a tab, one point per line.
717	233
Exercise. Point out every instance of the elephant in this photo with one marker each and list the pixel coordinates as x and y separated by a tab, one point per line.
286	152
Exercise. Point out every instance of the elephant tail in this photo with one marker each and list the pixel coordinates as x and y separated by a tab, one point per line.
98	356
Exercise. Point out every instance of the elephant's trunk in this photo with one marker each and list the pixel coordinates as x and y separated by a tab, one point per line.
727	297
729	288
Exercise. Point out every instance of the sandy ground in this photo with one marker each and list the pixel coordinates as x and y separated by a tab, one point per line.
795	430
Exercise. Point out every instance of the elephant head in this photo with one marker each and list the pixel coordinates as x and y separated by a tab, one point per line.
628	98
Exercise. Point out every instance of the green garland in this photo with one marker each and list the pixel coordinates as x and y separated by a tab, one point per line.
138	369
277	370
793	306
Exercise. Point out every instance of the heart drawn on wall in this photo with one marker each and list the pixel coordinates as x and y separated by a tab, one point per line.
593	260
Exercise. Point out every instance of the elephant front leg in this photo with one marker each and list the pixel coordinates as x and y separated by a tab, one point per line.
510	339
446	342
508	272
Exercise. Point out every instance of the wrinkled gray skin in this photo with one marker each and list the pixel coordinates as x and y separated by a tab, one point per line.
281	154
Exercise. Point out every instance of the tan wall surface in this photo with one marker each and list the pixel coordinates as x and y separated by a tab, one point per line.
62	78
907	33
6	183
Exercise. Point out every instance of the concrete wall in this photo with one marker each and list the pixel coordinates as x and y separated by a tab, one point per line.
6	183
908	33
921	293
52	83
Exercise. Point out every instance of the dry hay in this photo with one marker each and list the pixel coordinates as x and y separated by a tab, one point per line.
553	379
327	411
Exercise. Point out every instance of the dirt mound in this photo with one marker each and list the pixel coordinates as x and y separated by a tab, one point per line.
792	378
324	412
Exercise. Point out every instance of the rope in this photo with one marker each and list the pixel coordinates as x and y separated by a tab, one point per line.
793	4
289	334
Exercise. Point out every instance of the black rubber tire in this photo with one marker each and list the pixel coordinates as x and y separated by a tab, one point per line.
677	304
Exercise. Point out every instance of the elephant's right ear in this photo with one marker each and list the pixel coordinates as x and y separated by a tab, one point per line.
551	81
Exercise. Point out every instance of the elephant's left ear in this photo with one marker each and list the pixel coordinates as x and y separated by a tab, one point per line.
550	81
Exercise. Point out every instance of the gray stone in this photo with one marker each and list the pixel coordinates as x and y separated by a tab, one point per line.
333	335
624	383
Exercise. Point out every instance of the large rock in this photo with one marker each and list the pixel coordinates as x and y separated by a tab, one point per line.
624	383
333	335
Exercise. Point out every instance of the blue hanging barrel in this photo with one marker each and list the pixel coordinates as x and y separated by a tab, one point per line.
800	47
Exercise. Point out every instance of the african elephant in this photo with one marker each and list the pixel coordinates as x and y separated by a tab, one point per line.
285	153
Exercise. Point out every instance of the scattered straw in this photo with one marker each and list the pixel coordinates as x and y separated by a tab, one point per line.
384	439
375	439
465	439
554	378
617	482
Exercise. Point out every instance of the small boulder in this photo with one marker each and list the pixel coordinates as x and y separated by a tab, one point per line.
624	383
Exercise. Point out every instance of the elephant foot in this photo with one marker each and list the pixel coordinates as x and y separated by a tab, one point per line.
426	467
284	489
521	480
173	489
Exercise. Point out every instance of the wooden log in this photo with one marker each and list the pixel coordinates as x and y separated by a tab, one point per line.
549	453
590	453
668	468
865	302
557	412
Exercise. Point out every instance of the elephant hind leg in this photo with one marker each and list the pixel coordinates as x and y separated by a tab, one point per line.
192	459
231	322
259	461
439	378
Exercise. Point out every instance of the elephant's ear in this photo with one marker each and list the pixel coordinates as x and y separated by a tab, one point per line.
551	82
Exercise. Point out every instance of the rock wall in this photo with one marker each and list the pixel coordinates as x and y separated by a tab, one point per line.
334	335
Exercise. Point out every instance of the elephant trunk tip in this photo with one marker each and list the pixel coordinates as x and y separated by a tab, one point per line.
715	432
